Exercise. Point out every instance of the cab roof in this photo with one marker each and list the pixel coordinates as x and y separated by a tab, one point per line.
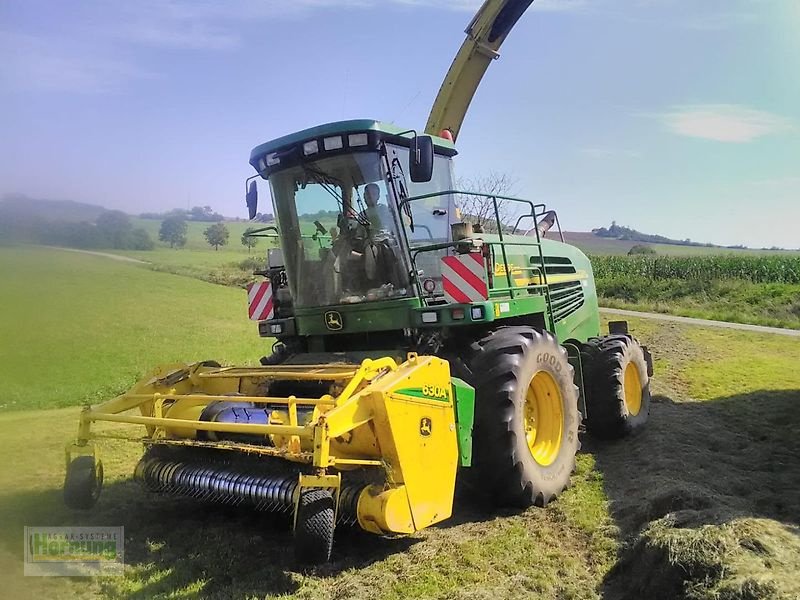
380	129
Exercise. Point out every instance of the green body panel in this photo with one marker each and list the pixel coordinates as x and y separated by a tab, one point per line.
503	303
381	315
524	268
464	395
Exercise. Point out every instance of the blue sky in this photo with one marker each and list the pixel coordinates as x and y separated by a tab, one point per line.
679	117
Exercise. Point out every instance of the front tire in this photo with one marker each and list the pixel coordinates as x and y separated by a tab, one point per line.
83	482
313	532
526	416
617	386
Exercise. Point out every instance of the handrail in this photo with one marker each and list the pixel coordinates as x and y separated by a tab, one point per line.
532	214
502	242
253	232
405	201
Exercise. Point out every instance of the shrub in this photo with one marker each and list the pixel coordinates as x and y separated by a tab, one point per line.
641	249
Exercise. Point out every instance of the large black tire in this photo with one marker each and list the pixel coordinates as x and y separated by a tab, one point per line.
313	531
526	416
83	482
617	386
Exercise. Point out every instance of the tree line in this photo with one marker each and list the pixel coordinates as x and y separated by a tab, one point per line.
196	213
110	230
174	231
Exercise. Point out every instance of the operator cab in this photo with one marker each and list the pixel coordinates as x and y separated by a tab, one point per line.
338	192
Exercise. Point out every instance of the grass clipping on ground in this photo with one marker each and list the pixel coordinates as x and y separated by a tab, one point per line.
741	559
708	507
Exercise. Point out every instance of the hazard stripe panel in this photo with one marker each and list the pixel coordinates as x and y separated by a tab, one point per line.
259	301
464	278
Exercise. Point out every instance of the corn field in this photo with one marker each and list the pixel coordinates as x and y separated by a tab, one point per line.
753	268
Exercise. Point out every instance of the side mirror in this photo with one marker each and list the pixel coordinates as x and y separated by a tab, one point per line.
252	200
420	159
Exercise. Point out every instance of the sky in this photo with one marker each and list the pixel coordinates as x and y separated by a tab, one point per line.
677	117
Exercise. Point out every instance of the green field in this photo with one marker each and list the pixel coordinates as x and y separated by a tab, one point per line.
77	327
701	505
755	269
762	290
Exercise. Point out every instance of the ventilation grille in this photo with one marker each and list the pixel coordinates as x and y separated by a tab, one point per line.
554	265
566	298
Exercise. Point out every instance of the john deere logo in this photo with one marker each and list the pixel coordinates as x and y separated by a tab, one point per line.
425	427
333	320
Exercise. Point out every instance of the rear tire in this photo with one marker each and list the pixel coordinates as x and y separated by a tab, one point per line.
617	386
83	483
526	416
313	532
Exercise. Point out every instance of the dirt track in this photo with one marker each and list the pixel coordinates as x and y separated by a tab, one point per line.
103	254
703	322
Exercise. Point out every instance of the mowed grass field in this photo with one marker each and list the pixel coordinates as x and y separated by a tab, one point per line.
702	504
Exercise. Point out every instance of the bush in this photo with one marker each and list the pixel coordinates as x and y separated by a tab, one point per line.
251	264
115	226
141	240
641	249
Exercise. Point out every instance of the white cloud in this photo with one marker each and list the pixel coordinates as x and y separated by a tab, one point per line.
204	24
91	53
34	63
191	35
724	122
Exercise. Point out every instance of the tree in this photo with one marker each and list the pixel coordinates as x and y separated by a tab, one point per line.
140	240
641	249
216	235
480	209
248	241
203	213
173	231
115	226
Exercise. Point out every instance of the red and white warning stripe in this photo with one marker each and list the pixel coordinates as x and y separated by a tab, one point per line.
464	278
259	300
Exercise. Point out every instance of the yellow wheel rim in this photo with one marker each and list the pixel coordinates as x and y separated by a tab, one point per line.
632	389
544	418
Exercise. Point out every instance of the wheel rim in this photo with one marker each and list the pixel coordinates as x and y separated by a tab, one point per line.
544	418
98	481
632	389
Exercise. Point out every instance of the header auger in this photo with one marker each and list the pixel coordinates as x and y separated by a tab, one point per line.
414	347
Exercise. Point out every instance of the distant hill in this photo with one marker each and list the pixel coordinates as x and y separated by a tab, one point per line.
590	243
50	210
620	232
632	237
